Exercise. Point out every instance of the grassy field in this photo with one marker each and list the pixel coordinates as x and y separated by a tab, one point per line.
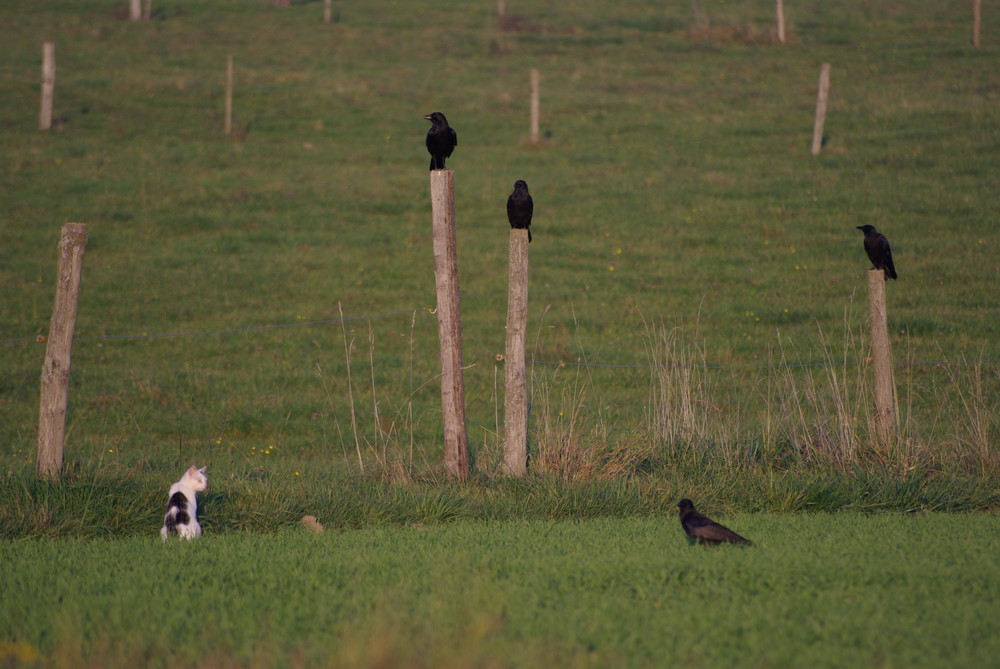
698	328
673	186
820	591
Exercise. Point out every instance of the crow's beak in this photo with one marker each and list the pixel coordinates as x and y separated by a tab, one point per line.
427	117
859	227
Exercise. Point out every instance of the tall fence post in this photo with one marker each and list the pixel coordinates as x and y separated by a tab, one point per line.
229	95
135	10
534	105
885	390
515	392
781	20
55	370
48	85
824	90
449	313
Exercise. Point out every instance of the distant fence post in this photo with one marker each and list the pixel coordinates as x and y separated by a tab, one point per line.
885	393
135	10
449	313
327	11
48	85
534	105
229	95
147	10
515	393
781	20
977	20
55	371
824	90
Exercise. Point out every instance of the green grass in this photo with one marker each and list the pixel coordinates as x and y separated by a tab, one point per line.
820	591
678	158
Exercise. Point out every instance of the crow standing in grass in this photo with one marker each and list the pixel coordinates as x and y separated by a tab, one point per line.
520	207
441	140
704	530
877	248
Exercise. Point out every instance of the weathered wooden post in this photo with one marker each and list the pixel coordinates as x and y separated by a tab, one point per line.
977	20
534	105
501	11
55	371
885	388
327	11
449	313
824	89
229	95
515	392
48	85
135	10
147	10
781	21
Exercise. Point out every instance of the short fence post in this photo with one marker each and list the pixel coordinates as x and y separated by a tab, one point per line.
515	393
48	85
781	21
135	10
449	313
534	105
327	11
55	371
824	90
229	95
885	391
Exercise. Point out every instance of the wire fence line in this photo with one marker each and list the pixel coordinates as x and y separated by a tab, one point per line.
555	363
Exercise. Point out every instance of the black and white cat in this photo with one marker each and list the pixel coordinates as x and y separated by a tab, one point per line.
182	516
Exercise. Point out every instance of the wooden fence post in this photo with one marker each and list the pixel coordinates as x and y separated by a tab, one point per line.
824	90
327	11
147	10
781	20
449	313
515	393
135	10
48	85
885	388
229	95
55	371
534	105
977	20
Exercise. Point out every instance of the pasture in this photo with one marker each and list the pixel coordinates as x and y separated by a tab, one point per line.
821	590
262	303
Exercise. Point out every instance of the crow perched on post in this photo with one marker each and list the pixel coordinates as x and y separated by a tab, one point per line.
877	248
441	140
704	530
520	207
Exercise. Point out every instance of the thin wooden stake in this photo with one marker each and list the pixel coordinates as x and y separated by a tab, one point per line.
229	95
534	105
781	21
135	10
449	313
501	10
821	98
327	11
885	388
55	371
515	393
147	10
977	20
48	85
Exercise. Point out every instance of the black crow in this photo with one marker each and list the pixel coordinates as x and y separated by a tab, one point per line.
704	530
519	208
877	248
441	140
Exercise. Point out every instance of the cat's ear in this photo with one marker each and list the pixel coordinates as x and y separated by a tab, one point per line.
192	470
202	470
